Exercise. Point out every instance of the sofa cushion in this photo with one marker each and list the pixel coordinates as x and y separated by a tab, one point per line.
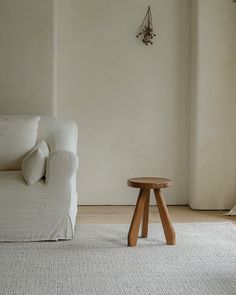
19	199
18	135
34	164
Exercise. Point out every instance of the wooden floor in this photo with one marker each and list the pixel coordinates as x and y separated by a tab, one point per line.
123	214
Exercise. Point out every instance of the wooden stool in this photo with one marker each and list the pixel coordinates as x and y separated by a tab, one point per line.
142	208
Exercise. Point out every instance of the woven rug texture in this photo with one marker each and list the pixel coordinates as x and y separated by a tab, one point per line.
98	261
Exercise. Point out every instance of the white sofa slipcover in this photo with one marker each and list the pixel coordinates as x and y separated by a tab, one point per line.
46	210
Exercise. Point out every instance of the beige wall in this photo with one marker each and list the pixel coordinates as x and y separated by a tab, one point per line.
26	50
80	59
213	108
130	101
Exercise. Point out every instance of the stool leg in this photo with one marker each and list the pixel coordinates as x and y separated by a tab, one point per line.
165	218
146	214
135	223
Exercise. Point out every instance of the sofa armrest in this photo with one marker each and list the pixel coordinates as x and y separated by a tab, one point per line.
61	182
61	167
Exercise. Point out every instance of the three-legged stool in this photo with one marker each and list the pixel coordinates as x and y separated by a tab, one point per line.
145	184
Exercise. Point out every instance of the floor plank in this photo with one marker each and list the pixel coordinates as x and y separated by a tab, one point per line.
123	214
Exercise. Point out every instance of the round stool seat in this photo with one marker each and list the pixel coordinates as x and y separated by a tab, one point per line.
149	182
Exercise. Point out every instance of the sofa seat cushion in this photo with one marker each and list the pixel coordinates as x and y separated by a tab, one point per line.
17	198
18	134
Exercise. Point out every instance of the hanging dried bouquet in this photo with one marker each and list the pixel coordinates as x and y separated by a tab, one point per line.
146	29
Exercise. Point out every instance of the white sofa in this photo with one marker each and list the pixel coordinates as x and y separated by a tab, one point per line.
47	209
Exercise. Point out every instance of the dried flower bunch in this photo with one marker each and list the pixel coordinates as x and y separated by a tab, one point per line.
146	29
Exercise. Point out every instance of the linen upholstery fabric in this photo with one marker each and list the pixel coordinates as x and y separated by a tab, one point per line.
34	164
18	135
45	210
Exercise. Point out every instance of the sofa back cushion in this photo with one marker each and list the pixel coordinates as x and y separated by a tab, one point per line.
60	134
18	134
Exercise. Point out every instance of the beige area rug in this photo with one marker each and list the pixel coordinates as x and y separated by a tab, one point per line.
98	261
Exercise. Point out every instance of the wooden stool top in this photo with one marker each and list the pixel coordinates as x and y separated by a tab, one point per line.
149	182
